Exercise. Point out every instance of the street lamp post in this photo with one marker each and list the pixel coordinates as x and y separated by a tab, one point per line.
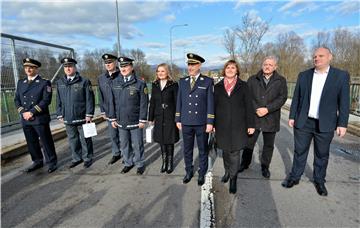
171	28
118	29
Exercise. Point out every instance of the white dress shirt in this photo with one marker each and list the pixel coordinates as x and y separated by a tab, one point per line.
317	87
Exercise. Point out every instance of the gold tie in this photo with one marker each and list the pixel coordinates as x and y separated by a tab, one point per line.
192	82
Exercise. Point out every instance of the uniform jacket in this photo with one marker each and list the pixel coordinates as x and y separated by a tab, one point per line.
162	111
273	97
234	115
35	98
129	102
334	103
195	106
105	87
74	100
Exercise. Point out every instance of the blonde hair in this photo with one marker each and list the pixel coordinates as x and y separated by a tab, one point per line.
167	68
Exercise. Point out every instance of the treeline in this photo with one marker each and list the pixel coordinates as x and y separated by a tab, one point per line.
244	43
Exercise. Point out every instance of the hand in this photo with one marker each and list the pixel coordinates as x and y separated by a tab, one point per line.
103	116
250	131
114	124
27	115
178	125
141	125
262	112
61	120
291	123
88	119
340	131
151	123
209	128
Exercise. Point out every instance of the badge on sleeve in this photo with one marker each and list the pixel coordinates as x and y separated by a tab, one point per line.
145	90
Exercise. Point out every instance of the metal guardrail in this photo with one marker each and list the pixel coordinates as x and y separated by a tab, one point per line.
354	96
9	114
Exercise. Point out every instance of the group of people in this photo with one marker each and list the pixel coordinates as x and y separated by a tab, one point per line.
237	111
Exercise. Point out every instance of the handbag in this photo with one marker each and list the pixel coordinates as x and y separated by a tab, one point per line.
149	134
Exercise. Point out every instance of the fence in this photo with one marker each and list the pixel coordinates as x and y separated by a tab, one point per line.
354	96
14	49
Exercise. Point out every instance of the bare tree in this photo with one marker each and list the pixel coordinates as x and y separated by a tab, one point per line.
250	33
229	42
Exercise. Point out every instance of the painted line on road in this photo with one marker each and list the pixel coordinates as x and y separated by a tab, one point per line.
207	207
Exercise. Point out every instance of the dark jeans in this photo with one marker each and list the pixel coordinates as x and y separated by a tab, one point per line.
302	140
32	135
267	151
81	147
189	133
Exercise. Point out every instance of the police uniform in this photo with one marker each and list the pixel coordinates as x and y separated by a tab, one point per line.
105	82
194	110
34	96
130	106
75	102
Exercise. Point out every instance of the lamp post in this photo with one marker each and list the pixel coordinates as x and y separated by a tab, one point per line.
171	28
118	29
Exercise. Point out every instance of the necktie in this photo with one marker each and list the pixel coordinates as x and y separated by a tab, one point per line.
69	79
192	82
30	81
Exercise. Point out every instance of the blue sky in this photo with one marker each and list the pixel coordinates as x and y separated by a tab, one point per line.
145	24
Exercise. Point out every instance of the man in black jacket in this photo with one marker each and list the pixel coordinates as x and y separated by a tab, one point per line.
269	92
75	106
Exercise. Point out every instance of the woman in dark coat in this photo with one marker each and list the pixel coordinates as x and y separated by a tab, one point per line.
162	114
234	119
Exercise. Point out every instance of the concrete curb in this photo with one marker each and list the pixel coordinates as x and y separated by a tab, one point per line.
353	127
207	207
9	152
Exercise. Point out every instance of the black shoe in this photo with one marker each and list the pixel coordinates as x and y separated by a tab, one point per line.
73	164
289	183
114	159
33	167
242	168
87	164
140	170
226	177
170	165
265	172
232	185
201	180
188	177
321	189
52	168
127	169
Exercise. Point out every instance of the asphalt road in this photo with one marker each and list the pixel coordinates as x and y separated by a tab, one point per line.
102	197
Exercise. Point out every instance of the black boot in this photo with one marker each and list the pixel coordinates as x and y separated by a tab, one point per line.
164	158
226	177
170	158
232	185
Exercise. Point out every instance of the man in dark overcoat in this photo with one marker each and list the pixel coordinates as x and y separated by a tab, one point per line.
269	93
32	100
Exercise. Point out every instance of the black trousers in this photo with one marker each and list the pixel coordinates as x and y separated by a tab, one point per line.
302	140
231	162
32	135
267	151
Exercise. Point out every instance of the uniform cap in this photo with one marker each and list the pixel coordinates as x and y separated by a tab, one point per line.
68	61
31	62
194	58
109	58
124	61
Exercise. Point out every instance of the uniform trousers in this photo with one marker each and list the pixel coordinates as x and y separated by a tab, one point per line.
189	132
132	146
302	139
115	140
32	135
81	147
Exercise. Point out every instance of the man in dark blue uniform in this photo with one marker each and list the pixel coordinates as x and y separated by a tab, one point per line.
195	115
105	82
75	106
32	100
129	114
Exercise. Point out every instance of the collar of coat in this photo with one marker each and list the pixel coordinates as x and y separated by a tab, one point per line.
169	82
275	75
76	79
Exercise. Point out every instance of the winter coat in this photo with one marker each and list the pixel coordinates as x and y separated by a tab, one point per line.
162	112
233	116
273	97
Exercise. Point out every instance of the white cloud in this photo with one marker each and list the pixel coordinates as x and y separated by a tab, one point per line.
196	41
170	18
154	45
275	30
240	3
290	5
345	7
91	18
